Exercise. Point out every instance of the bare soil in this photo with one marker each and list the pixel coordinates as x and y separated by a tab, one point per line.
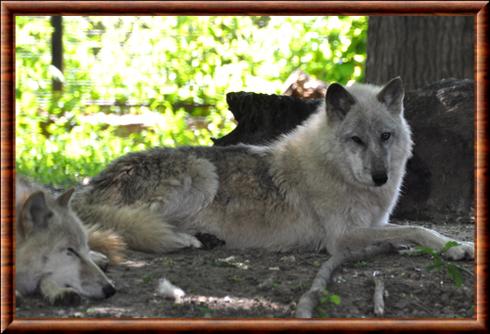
221	283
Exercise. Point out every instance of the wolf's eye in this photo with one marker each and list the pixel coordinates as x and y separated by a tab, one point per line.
357	140
385	136
70	251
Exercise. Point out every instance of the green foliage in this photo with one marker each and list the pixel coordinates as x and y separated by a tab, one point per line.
440	265
328	297
326	300
181	67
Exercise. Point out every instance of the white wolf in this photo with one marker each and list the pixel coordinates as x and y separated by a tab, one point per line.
331	183
52	255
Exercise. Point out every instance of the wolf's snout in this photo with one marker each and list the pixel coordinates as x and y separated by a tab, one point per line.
108	290
379	178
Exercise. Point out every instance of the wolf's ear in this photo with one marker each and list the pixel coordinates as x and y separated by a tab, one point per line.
64	198
35	213
338	101
392	95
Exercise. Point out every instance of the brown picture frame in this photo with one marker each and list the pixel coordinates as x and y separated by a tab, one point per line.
10	9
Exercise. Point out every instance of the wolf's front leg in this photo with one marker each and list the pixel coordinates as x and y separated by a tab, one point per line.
100	260
57	295
364	237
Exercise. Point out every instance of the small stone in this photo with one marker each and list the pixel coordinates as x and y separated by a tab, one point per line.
290	259
444	298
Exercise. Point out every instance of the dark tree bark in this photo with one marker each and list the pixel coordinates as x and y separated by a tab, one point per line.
439	177
57	49
420	49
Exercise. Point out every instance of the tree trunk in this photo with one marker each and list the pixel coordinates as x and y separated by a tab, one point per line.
420	49
57	49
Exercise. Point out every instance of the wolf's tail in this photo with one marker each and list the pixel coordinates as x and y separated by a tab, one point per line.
107	242
140	228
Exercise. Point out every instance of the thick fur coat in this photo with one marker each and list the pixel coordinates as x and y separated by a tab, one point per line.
331	183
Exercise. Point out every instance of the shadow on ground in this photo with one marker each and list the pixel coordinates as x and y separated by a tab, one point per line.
223	283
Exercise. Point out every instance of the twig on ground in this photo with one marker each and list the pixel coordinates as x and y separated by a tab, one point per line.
310	299
379	288
470	273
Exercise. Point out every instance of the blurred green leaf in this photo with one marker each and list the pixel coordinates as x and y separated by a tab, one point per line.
335	299
449	245
455	274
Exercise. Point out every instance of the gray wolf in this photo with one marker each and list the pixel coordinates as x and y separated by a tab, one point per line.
52	255
331	183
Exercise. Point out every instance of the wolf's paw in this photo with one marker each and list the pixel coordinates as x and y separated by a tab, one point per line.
189	240
100	260
463	251
67	297
209	241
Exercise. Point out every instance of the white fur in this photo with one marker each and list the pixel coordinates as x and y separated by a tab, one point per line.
312	188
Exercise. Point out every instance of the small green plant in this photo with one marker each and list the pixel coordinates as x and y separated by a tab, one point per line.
275	285
328	297
235	278
441	265
147	278
360	264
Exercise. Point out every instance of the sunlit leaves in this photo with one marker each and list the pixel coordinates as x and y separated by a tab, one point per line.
181	67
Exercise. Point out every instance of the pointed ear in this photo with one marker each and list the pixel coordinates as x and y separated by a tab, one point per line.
338	101
392	95
64	198
35	213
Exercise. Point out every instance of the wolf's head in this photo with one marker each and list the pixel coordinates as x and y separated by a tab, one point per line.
372	137
52	243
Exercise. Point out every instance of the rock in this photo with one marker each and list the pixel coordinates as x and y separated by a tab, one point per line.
440	175
263	117
288	259
440	178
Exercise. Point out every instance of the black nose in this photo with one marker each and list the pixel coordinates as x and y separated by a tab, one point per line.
379	178
108	290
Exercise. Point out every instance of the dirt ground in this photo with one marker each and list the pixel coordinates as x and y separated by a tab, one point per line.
221	283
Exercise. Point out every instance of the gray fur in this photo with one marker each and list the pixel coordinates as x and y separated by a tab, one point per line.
332	179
